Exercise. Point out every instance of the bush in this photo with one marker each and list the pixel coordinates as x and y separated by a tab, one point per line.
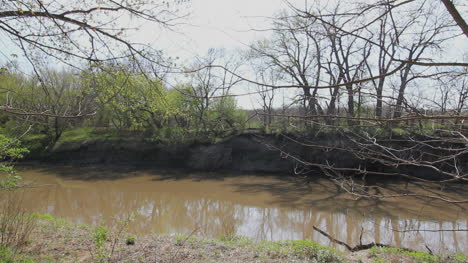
130	241
15	224
9	151
100	237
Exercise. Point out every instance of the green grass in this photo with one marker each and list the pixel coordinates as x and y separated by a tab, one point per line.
180	240
87	133
300	249
303	249
8	255
74	137
52	221
380	254
234	240
35	143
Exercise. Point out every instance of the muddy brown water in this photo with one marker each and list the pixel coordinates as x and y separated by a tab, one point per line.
258	206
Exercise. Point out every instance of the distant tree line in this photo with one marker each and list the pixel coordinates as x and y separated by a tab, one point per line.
116	99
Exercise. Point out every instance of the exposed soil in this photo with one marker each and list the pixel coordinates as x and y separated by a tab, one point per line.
242	153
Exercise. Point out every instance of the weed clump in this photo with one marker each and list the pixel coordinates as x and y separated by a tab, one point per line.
130	241
384	254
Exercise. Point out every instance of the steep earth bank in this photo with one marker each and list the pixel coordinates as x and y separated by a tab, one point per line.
251	153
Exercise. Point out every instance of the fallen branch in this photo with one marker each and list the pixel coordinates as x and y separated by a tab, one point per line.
358	247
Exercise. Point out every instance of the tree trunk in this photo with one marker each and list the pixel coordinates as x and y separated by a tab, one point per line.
379	105
350	105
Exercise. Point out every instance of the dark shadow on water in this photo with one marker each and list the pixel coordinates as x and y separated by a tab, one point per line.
287	191
100	172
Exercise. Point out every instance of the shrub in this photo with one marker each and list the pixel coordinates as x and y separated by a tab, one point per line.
100	237
130	241
16	224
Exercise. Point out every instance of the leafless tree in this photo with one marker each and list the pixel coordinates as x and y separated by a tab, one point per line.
295	53
209	83
267	95
389	46
82	32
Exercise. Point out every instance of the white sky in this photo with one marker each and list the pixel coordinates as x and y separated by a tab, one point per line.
212	24
224	24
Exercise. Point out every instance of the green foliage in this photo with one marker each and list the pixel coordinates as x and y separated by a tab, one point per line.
180	239
303	249
44	217
106	243
10	150
236	240
125	102
128	100
9	255
100	237
35	143
56	93
381	254
130	241
85	134
52	221
225	116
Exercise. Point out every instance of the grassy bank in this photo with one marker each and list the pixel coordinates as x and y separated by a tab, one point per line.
56	240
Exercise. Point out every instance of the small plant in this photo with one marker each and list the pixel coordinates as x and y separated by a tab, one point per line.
180	239
106	244
228	229
313	250
130	241
100	237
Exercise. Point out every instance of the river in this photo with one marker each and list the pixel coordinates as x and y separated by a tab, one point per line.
262	207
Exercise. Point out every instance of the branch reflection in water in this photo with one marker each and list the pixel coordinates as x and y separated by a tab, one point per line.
261	207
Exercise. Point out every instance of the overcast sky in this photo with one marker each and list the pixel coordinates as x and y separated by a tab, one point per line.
215	24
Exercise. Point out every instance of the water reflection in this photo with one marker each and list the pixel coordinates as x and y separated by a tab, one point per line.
260	207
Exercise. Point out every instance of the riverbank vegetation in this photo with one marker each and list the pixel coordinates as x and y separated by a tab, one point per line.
57	240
